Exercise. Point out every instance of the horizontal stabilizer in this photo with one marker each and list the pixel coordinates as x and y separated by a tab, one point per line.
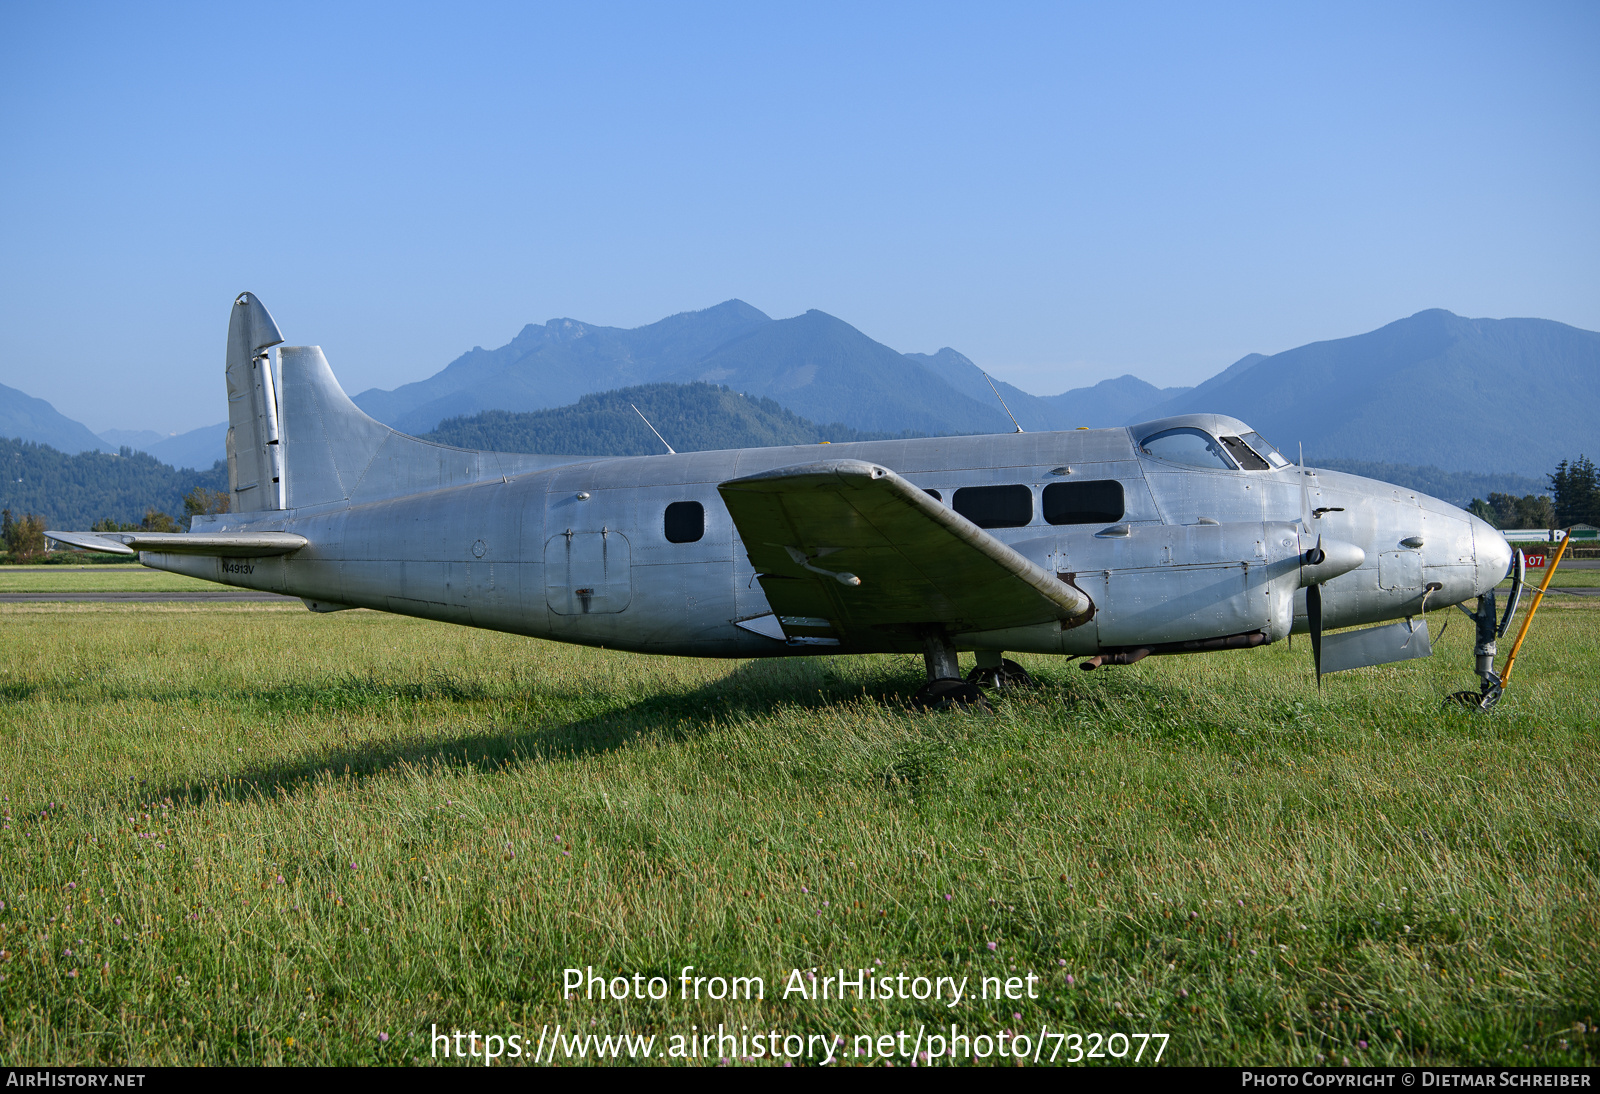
1375	646
845	548
214	544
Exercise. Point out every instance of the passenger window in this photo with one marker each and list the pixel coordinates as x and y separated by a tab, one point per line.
1244	456
934	494
1095	502
995	506
686	521
1191	447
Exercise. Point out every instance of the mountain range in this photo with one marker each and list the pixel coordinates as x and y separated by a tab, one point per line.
23	416
818	366
1517	395
1435	389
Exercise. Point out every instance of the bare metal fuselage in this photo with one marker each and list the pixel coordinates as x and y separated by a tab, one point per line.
578	552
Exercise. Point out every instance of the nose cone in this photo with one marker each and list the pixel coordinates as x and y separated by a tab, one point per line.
1492	552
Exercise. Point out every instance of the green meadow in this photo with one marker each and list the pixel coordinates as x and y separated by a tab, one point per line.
113	578
251	834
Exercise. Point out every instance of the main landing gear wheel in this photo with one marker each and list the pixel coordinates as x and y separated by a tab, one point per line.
945	688
944	694
1007	674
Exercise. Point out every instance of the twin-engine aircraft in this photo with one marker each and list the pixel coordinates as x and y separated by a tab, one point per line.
1180	535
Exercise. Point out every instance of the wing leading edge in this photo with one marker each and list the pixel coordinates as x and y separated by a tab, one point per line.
849	549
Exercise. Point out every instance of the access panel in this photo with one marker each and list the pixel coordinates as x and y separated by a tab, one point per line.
588	573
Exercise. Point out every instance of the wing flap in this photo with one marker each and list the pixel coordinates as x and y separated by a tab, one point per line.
849	547
215	544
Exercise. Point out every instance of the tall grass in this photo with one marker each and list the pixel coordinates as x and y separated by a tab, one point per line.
252	834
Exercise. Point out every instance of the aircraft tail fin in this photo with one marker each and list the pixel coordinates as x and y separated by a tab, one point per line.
255	458
295	439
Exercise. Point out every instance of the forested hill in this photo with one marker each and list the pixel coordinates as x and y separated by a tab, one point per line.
71	493
692	417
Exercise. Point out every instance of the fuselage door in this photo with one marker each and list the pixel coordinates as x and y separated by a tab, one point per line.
588	573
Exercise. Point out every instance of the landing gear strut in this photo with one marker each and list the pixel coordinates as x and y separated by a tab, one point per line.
945	687
1488	629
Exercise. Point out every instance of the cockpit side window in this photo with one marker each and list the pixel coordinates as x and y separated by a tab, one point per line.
1191	447
1265	449
1242	454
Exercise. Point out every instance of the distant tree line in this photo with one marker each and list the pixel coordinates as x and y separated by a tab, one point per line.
24	537
1574	498
1506	511
1577	494
78	492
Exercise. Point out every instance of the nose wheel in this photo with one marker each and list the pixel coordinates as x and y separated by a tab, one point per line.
1483	699
1488	629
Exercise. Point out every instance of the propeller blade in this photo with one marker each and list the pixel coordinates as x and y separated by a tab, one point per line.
1314	622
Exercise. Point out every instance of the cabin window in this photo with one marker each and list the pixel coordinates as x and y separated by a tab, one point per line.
934	494
995	506
686	521
1098	501
1243	455
1191	447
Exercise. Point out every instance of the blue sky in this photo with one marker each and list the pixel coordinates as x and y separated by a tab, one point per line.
1062	192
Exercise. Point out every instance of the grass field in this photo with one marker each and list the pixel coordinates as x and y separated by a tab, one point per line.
130	577
251	834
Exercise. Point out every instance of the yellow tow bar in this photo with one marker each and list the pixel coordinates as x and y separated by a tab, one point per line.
1505	677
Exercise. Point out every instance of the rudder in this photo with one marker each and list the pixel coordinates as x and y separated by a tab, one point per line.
255	456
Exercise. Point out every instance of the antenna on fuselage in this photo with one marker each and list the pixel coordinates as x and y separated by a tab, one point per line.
652	429
997	395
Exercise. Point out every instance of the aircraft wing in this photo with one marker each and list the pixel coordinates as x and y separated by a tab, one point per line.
849	547
216	544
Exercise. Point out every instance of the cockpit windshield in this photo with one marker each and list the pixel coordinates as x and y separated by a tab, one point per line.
1191	447
1265	449
1242	453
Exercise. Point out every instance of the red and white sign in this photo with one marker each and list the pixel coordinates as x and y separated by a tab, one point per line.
1535	562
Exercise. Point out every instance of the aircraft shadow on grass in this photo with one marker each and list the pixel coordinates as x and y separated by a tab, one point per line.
753	689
